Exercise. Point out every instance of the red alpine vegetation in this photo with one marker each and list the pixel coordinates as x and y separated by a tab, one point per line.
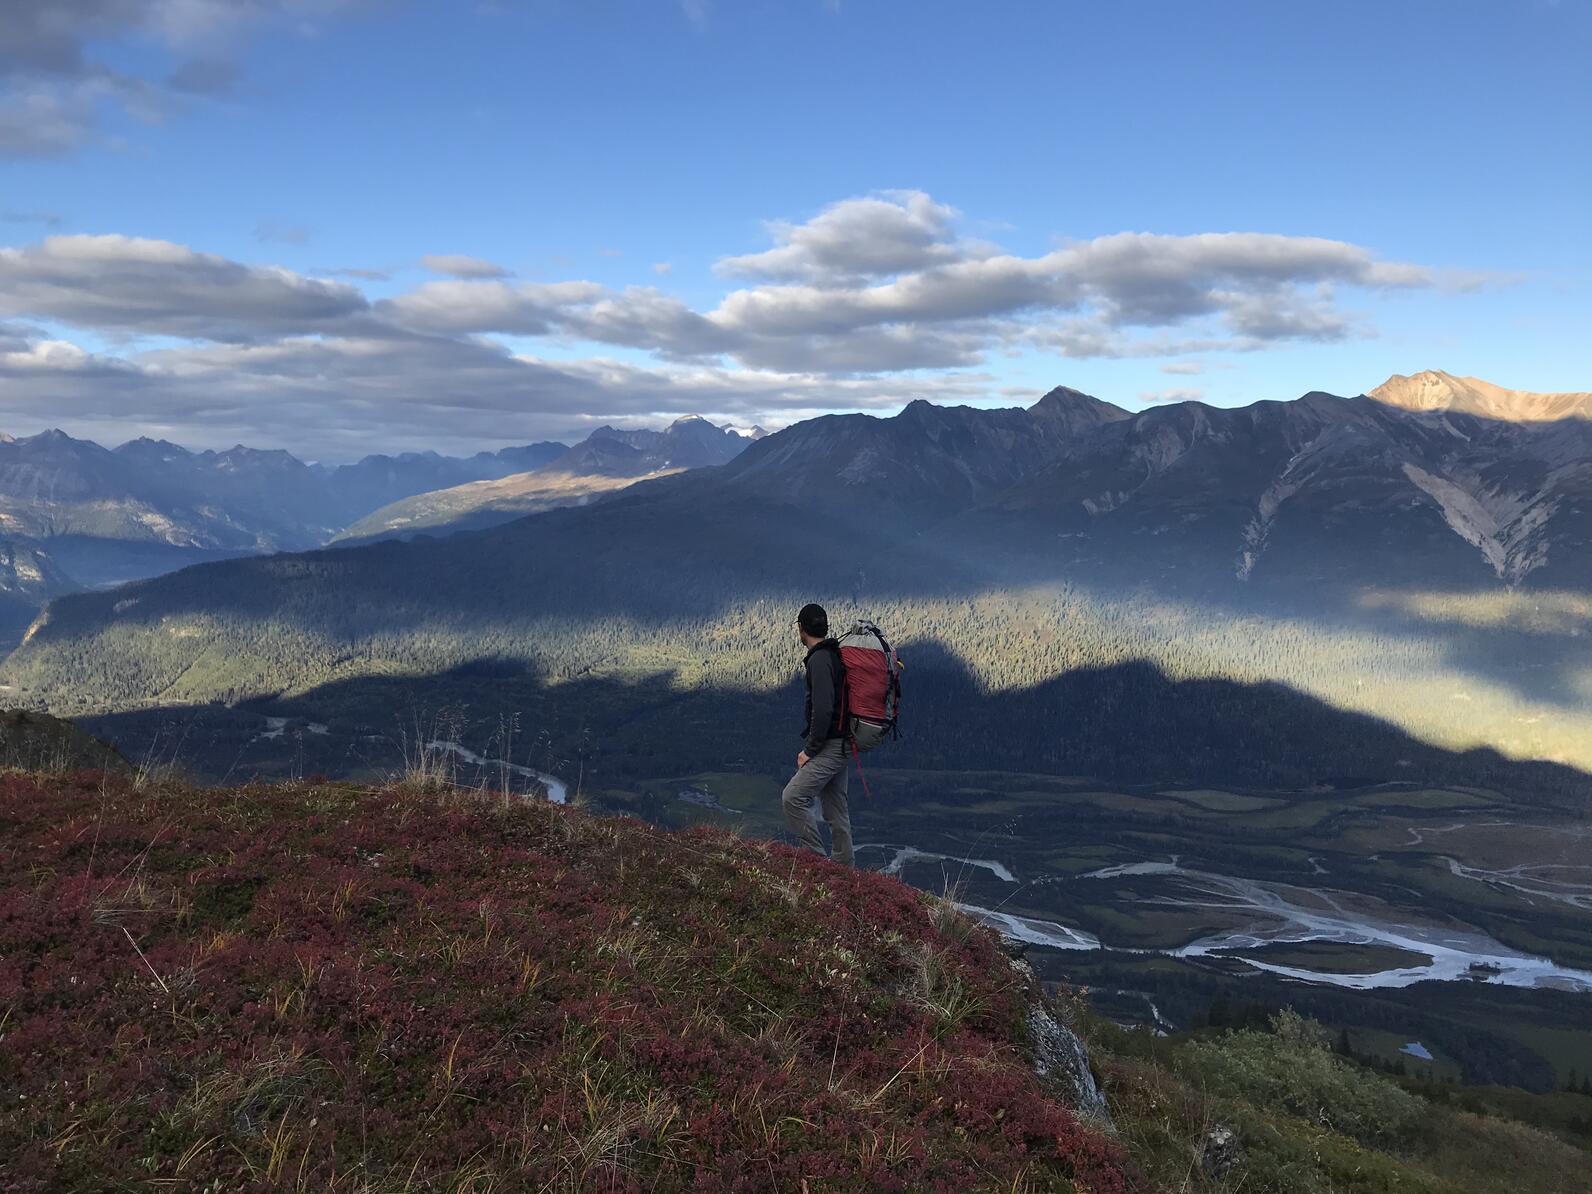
336	988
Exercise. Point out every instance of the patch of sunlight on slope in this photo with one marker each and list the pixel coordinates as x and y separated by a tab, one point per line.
1583	684
560	649
1406	677
1542	613
1417	691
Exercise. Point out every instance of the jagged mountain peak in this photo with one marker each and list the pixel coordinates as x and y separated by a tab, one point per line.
51	435
1074	405
921	464
1076	409
1435	390
146	443
1067	396
698	429
691	441
260	453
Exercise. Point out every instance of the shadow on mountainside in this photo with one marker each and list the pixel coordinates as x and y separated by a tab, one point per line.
1129	723
692	548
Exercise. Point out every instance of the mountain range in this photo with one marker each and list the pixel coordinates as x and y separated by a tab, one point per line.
1318	490
150	493
1424	565
606	460
74	514
1321	490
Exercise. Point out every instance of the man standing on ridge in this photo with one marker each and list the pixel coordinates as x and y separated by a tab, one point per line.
821	766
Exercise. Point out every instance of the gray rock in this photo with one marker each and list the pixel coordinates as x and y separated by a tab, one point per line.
1219	1152
1060	1059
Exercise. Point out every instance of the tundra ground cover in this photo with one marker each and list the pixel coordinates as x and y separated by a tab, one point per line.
322	986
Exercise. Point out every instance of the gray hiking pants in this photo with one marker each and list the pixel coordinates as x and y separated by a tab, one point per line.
823	782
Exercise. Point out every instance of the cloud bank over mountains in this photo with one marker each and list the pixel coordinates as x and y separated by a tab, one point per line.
872	301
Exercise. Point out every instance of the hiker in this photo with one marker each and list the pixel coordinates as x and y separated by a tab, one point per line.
820	777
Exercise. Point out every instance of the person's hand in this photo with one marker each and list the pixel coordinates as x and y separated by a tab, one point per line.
801	759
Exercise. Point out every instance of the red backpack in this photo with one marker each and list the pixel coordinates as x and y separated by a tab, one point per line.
872	686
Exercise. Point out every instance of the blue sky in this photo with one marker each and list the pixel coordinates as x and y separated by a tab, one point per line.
1408	182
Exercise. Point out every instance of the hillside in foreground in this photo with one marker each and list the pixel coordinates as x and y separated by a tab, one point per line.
325	987
329	988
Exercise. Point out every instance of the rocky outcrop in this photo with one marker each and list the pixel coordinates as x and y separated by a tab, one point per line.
1218	1152
1507	527
1059	1056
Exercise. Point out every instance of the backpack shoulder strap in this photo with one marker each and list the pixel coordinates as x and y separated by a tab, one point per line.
841	711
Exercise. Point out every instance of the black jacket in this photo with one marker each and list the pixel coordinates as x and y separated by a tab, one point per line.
826	677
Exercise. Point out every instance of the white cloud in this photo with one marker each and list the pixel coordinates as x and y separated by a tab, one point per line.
128	284
53	83
324	397
49	117
789	339
1288	315
1177	395
883	284
873	299
462	307
982	289
856	239
362	274
460	266
1145	278
1084	338
56	355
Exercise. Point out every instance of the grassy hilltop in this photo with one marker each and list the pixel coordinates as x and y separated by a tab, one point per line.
325	987
321	987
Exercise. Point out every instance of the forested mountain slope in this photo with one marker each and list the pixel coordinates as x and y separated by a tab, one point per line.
29	577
